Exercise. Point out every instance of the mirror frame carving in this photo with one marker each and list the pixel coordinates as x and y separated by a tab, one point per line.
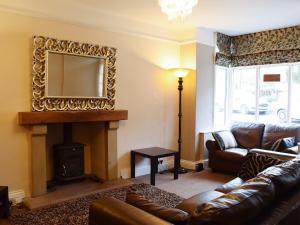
40	102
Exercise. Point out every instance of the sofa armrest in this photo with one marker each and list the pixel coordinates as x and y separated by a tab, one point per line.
115	212
278	155
212	146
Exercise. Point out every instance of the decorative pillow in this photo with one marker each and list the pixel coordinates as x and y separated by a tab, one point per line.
255	163
225	139
283	143
172	215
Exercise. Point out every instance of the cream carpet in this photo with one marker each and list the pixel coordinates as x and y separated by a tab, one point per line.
188	184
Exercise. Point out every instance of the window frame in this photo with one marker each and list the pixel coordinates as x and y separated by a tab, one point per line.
229	92
225	98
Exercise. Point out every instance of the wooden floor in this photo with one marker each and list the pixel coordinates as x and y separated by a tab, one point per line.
189	184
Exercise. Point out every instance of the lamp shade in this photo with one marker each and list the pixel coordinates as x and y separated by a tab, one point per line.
180	72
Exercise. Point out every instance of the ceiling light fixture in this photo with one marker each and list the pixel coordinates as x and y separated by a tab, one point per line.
177	8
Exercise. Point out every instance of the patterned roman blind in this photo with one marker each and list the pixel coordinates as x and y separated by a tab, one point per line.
267	47
223	53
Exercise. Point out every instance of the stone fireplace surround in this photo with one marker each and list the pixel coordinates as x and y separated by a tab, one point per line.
38	122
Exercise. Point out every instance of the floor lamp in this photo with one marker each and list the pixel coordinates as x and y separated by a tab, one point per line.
180	73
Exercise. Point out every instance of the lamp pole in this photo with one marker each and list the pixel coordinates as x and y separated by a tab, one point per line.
180	88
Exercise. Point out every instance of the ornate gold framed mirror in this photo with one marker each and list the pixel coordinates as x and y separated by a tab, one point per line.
72	76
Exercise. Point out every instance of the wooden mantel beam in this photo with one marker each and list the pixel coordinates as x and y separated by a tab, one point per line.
36	118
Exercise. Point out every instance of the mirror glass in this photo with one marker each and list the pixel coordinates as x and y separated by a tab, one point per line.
75	76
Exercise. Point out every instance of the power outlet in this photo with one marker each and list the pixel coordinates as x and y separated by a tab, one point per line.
161	166
125	173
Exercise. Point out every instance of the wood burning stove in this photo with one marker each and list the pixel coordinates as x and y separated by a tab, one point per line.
68	158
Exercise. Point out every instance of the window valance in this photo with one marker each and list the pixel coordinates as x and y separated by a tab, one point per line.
223	55
267	47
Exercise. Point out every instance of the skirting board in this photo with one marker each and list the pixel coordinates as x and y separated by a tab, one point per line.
139	171
191	165
16	196
142	170
168	163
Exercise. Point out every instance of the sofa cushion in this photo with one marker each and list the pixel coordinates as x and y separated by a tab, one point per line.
284	176
274	132
232	154
248	135
225	139
238	206
292	150
190	204
172	215
255	163
283	211
229	186
239	151
283	143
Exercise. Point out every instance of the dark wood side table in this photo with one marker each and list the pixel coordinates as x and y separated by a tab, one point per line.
154	154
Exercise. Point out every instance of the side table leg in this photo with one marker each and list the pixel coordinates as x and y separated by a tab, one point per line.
156	166
132	162
153	170
176	165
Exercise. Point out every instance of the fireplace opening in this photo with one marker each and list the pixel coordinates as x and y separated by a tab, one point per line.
68	158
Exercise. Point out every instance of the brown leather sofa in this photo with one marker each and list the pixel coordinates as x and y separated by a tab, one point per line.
249	136
270	198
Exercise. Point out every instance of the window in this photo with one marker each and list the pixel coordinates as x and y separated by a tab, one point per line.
295	95
266	94
243	104
273	95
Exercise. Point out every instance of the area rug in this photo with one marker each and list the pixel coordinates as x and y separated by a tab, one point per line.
75	212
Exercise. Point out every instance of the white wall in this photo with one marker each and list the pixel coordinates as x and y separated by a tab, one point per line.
204	86
143	87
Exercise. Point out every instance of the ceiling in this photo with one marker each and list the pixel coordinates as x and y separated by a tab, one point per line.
144	17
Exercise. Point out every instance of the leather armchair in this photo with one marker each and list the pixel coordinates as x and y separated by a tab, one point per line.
250	137
228	161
